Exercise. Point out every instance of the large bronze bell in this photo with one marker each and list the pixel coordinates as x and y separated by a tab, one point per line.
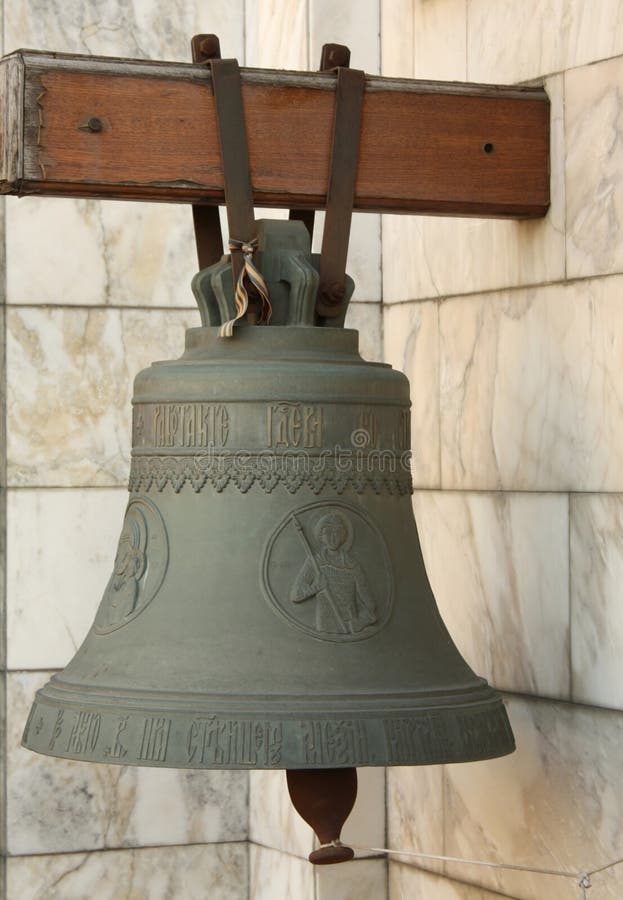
268	606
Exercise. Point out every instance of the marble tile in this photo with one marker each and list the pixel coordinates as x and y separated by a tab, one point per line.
273	821
415	813
365	827
409	883
276	35
61	546
70	374
594	168
531	389
430	256
92	252
364	254
553	804
217	871
596	608
3	836
366	318
440	40
505	597
397	38
119	28
411	344
59	806
278	876
355	23
509	42
361	879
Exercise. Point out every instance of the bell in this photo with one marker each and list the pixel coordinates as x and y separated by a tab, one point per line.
268	606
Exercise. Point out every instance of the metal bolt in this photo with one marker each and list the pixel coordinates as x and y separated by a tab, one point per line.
95	124
334	293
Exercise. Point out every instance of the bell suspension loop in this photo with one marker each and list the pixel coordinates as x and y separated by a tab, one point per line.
232	136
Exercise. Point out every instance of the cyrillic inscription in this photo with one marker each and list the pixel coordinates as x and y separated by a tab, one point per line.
118	750
155	739
213	741
84	733
294	425
404	430
58	727
478	730
190	425
334	743
366	433
429	737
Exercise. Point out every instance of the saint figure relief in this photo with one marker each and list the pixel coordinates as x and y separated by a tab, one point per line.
333	578
121	595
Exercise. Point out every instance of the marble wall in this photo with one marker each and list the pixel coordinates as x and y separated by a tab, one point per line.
512	335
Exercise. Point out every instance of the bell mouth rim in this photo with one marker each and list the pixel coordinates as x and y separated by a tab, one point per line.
76	724
305	739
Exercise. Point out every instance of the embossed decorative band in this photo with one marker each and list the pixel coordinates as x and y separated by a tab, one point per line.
377	471
208	740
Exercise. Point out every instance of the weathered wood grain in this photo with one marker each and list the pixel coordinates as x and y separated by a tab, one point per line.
422	145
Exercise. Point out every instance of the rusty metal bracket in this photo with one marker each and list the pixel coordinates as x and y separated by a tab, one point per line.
332	56
232	135
206	219
341	192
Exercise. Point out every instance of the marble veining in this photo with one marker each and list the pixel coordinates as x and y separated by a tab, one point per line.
415	813
58	806
61	547
273	821
278	876
411	344
217	872
119	28
361	879
510	42
596	599
531	389
439	40
452	256
408	883
594	168
505	597
282	47
89	252
70	374
555	803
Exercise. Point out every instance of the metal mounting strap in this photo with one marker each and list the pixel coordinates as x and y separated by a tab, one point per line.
206	219
232	135
331	56
341	192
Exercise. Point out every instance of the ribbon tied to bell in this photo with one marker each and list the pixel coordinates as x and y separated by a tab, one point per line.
251	272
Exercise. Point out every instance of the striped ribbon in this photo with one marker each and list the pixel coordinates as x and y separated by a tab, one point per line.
247	248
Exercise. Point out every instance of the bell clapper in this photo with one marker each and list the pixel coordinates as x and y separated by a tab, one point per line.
324	798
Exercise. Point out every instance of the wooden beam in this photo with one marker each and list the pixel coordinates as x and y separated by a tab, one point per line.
442	148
